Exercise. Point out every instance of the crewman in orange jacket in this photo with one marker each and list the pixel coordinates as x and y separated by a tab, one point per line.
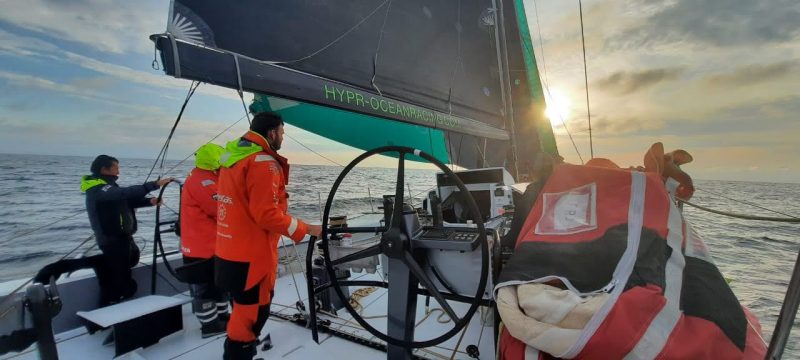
251	217
198	237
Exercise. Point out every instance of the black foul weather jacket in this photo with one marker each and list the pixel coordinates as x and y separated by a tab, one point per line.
111	207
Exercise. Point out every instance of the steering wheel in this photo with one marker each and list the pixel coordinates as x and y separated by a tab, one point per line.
398	245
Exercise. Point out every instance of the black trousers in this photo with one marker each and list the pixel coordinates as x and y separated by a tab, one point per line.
207	299
116	283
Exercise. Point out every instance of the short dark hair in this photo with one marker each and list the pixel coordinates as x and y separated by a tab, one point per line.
263	122
102	161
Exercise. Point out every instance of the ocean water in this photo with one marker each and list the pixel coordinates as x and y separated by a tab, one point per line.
43	218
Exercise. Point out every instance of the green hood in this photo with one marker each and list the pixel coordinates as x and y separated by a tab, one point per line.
207	156
236	150
89	181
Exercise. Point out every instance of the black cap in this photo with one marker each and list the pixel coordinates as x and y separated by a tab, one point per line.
263	122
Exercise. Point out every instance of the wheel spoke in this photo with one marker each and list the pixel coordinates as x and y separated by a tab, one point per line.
426	281
397	212
370	251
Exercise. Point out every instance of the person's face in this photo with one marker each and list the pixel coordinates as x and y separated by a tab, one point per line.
276	137
112	170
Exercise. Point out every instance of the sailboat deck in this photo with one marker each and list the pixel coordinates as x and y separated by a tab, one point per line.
289	340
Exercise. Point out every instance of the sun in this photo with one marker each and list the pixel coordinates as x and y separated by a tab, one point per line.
557	108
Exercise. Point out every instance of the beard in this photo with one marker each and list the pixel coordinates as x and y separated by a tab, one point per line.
275	144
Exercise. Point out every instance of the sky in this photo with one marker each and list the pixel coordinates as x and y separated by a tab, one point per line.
718	79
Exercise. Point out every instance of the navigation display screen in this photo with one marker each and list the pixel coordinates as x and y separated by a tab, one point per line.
435	234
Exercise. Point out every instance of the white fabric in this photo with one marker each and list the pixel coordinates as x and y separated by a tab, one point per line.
546	317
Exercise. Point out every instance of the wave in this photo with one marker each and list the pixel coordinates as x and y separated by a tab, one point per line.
26	257
778	241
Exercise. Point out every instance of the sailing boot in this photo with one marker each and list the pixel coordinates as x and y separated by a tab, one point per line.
215	327
237	350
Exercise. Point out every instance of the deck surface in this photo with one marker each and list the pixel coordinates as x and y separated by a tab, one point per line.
290	341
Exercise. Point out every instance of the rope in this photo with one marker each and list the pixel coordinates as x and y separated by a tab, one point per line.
358	295
741	216
749	203
289	269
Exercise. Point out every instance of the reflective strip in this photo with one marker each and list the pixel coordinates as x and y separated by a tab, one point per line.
208	313
206	320
655	338
676	262
416	152
292	227
625	266
671	185
262	157
531	353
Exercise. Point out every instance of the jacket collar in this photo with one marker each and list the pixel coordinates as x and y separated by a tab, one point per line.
259	140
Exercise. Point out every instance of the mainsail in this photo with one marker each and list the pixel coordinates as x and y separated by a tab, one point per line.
457	77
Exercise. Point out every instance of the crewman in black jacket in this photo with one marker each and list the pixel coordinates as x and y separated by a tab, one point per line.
111	214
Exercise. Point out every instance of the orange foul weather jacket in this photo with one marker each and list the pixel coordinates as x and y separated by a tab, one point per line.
251	215
199	214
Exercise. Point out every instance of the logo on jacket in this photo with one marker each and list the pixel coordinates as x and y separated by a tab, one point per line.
221	212
225	199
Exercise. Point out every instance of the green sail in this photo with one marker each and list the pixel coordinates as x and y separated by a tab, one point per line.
544	129
353	129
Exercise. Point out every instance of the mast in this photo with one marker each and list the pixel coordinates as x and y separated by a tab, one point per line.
505	80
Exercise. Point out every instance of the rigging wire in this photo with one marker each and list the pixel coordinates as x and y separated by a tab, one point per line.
547	81
748	203
246	111
212	139
586	80
741	216
162	155
309	149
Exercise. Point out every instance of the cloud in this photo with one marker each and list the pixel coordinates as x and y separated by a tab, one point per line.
766	123
138	135
97	83
25	46
715	23
606	126
33	82
109	26
20	106
623	82
751	74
